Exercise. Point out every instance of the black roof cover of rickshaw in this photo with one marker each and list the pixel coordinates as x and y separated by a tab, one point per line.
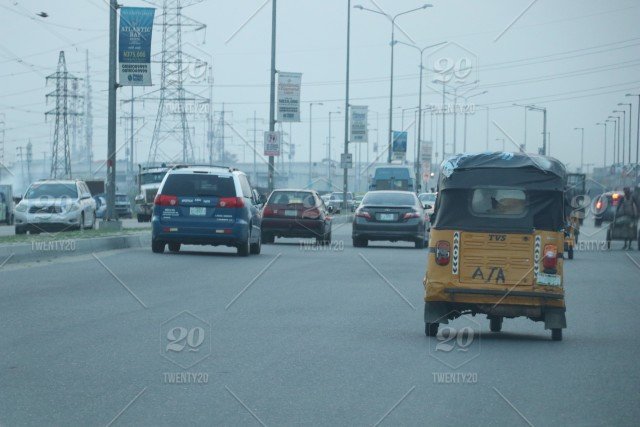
531	171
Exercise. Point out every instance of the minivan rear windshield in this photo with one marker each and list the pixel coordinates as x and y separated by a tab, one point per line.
187	185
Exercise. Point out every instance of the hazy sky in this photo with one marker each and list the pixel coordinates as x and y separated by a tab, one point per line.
576	57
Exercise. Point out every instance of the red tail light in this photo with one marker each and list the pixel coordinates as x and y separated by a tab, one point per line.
550	257
231	202
599	204
363	214
165	200
267	211
443	251
312	213
409	215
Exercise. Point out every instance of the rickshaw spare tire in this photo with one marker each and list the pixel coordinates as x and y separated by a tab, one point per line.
556	334
431	329
495	324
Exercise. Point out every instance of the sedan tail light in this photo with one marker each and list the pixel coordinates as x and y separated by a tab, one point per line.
231	202
550	257
312	213
443	251
363	214
267	211
165	200
409	215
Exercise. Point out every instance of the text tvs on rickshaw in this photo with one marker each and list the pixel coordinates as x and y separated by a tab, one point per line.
496	241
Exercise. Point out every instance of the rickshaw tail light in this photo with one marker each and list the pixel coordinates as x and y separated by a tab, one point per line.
550	258
443	251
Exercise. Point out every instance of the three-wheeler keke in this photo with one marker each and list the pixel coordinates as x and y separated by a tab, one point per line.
496	241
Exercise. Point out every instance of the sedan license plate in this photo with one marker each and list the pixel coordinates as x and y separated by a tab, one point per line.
290	212
548	279
386	217
197	211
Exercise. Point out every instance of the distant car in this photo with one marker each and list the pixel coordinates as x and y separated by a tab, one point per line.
336	203
206	205
392	216
55	205
101	206
295	213
428	200
605	206
122	206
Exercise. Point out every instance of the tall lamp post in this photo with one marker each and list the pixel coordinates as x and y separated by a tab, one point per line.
616	130
613	140
543	110
393	42
311	104
624	125
637	135
466	113
581	149
629	140
604	160
418	180
329	150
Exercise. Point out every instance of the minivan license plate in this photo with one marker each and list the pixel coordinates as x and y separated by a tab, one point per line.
197	211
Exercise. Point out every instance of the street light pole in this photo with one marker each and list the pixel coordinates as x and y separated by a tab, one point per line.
604	161
345	179
111	111
581	149
466	111
272	95
329	150
616	139
393	42
311	104
624	125
637	137
629	140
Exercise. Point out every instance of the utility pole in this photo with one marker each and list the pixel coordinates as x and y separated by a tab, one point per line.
210	115
272	94
19	155
345	172
2	132
581	149
88	115
29	160
111	110
604	159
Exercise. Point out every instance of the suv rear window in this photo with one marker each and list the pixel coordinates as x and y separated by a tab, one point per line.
196	185
498	202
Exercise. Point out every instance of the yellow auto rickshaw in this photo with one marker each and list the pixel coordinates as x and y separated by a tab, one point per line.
497	239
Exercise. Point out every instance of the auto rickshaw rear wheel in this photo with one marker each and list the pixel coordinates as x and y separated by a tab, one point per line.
570	252
495	323
556	334
431	329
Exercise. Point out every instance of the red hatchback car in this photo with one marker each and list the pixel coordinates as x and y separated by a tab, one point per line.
295	213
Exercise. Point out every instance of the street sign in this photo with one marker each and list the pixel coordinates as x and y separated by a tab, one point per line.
399	145
426	147
359	132
346	161
272	143
136	25
289	96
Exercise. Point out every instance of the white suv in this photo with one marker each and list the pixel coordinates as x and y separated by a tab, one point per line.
55	205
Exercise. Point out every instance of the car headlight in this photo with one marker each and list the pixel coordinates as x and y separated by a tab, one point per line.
21	208
73	207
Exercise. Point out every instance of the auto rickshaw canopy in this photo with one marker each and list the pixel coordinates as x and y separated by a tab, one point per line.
501	191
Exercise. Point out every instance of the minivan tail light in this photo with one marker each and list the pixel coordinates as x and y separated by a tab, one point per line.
443	251
231	202
550	257
165	200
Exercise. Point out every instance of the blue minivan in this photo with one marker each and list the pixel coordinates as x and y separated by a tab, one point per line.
206	205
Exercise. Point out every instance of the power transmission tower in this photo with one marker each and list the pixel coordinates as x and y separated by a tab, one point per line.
171	119
88	115
60	155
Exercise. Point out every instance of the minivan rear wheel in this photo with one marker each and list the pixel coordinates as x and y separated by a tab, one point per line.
157	246
174	247
256	248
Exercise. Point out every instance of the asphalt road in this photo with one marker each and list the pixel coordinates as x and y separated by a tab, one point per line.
302	335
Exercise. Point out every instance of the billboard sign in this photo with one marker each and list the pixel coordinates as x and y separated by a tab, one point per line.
134	41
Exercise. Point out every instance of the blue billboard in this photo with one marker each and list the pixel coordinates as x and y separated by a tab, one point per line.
136	27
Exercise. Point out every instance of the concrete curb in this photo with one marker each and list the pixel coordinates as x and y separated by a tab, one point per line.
60	247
